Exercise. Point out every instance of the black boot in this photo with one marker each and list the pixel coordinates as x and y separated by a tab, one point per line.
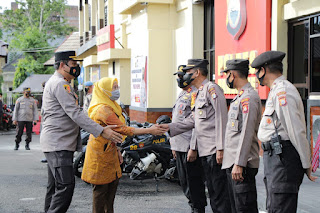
17	146
195	210
27	146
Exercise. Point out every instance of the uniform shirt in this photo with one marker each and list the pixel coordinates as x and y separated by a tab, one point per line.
284	109
62	117
180	111
208	118
241	143
86	104
25	110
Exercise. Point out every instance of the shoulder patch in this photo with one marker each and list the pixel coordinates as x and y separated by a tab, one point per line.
67	88
212	90
282	100
245	100
281	93
214	95
189	90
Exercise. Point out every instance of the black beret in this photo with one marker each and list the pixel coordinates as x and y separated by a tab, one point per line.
65	55
241	65
26	89
180	71
196	63
267	58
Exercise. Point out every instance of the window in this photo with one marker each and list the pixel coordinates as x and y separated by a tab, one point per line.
209	50
304	55
105	13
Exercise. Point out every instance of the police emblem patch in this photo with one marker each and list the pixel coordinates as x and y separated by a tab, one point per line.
67	88
236	17
283	101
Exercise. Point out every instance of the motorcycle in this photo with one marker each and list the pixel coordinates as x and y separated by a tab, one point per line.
7	118
149	156
79	156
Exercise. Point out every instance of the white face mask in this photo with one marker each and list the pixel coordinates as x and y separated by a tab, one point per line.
114	94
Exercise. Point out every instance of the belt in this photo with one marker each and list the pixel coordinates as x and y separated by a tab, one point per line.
268	146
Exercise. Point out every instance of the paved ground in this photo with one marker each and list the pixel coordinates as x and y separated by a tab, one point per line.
23	183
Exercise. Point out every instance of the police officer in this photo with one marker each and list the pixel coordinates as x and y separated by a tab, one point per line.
25	112
190	173
209	119
241	151
282	132
60	133
88	89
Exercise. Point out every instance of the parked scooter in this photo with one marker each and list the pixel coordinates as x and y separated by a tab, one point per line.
7	118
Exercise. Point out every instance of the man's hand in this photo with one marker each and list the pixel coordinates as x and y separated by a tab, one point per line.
237	173
219	156
174	154
156	130
15	123
163	126
192	155
312	178
111	135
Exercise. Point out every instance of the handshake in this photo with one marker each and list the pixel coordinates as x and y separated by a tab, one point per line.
115	137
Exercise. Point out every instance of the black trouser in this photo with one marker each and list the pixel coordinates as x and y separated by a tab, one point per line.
216	184
60	181
191	178
19	130
283	177
243	195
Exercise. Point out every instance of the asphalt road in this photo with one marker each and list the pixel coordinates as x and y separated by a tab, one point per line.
23	181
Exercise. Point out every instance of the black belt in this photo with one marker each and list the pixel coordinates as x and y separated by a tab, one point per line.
268	146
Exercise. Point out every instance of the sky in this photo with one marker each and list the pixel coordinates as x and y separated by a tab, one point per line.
7	3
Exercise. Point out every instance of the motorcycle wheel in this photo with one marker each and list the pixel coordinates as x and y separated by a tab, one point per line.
78	164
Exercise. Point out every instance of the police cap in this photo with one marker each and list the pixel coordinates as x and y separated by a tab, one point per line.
65	56
180	71
196	63
267	58
241	65
26	89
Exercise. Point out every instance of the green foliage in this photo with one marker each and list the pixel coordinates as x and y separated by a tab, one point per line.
1	82
29	28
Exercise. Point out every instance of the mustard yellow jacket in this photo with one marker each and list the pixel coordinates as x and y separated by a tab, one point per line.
101	165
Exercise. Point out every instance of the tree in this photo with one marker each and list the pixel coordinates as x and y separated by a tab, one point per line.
29	29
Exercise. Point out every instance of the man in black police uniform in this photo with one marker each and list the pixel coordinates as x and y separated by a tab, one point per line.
282	132
60	135
191	174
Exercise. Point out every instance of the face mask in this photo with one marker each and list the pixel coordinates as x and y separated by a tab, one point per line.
261	79
115	95
86	89
188	78
230	84
181	82
27	94
74	71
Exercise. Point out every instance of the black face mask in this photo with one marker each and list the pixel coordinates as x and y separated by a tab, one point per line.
28	94
74	71
188	78
261	79
86	89
230	84
181	82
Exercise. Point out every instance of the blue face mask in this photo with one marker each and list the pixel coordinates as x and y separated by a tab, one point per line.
115	95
